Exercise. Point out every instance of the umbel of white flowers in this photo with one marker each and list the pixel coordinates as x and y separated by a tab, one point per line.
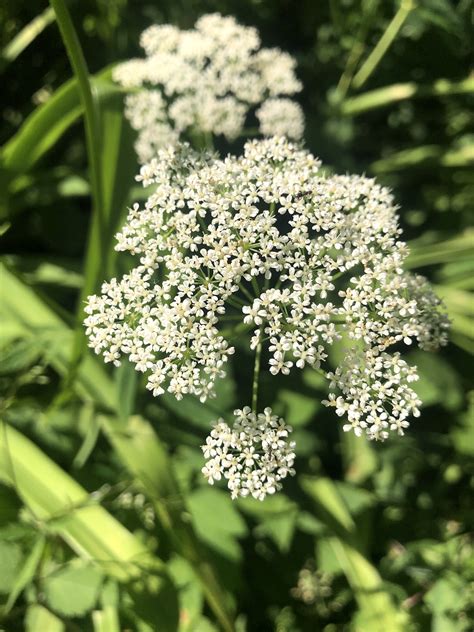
208	81
253	456
265	243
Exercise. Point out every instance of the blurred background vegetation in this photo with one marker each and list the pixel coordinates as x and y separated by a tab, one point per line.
105	522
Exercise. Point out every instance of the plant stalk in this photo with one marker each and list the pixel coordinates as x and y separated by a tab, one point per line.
256	374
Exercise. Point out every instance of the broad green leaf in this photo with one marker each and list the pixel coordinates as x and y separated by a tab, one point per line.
33	317
280	528
299	408
324	491
72	591
438	383
360	457
445	597
217	521
356	499
276	518
19	355
142	454
146	596
190	592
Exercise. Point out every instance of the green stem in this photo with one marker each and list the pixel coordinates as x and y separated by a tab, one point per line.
246	292
95	256
91	122
256	373
384	43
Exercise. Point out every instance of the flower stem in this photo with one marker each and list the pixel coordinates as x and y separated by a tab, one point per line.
97	244
256	374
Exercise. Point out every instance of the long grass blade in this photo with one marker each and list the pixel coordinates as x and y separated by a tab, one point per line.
390	95
27	34
384	43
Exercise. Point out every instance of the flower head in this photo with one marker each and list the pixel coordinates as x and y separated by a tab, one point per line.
254	455
207	80
266	242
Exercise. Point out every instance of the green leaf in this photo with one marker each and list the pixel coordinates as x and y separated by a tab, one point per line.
461	155
47	124
27	34
217	521
27	572
73	591
147	595
277	518
299	408
390	95
438	382
324	491
126	379
106	620
11	558
31	317
355	498
455	249
38	619
19	355
146	458
377	609
190	592
88	528
446	594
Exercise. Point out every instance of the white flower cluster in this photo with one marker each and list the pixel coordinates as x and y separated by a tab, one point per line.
303	259
205	81
376	396
254	456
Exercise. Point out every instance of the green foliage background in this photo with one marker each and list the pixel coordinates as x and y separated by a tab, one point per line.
105	522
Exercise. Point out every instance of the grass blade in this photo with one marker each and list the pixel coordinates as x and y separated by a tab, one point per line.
384	97
88	528
46	125
454	249
384	43
27	34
